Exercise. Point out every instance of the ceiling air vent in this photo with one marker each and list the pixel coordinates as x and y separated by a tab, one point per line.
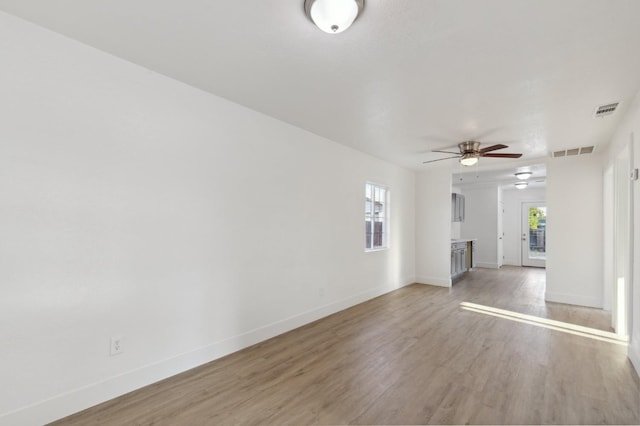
607	109
573	151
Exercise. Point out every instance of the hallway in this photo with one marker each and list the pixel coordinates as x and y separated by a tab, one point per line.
412	356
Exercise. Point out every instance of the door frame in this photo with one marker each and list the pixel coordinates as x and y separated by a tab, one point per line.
623	242
500	231
524	235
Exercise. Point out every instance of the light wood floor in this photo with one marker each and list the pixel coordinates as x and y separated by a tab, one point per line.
408	357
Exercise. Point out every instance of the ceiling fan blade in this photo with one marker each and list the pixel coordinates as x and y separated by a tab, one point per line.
440	159
501	155
492	148
446	152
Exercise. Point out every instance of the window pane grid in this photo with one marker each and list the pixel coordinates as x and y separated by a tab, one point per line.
375	217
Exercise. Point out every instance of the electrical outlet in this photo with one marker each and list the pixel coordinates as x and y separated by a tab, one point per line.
116	345
321	291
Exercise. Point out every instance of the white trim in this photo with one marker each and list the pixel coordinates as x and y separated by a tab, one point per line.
487	265
366	250
511	262
573	299
524	219
633	352
67	403
408	281
439	282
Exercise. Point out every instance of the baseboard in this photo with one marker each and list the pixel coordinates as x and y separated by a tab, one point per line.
633	352
573	299
408	280
440	282
82	398
512	262
487	265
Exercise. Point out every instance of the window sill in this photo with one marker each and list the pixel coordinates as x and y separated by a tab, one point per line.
376	249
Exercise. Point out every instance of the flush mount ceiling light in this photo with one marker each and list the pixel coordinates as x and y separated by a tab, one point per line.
523	175
469	159
333	16
521	185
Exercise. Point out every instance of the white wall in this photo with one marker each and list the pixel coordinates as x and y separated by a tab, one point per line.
512	220
629	132
574	230
481	222
135	205
433	227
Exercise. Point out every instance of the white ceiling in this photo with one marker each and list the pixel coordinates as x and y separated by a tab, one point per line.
409	76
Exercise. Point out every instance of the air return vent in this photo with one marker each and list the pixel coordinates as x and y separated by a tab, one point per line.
607	109
573	151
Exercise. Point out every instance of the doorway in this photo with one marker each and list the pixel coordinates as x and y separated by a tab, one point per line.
622	238
500	230
534	234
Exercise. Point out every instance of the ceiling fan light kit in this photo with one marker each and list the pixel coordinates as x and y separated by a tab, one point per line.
523	175
469	159
333	16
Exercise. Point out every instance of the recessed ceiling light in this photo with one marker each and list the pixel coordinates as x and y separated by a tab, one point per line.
521	185
333	16
523	175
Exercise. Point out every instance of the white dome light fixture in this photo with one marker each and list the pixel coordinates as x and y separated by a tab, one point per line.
521	185
333	16
523	175
469	159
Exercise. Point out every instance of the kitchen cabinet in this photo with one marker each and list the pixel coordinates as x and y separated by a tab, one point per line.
457	207
462	256
458	258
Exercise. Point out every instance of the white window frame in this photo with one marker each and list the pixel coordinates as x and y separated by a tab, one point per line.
386	227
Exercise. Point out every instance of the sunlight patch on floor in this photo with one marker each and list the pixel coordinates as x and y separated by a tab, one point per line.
565	327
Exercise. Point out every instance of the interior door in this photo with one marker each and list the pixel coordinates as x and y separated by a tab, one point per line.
534	234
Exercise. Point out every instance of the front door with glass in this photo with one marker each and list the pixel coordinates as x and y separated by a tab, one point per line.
534	234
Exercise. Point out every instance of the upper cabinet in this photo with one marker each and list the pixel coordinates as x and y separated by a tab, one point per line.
457	207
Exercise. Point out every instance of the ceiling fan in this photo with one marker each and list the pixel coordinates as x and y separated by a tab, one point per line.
470	151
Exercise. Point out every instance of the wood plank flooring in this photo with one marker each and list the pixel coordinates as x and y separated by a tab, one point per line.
409	357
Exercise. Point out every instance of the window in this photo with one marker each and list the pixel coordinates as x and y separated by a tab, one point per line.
376	217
